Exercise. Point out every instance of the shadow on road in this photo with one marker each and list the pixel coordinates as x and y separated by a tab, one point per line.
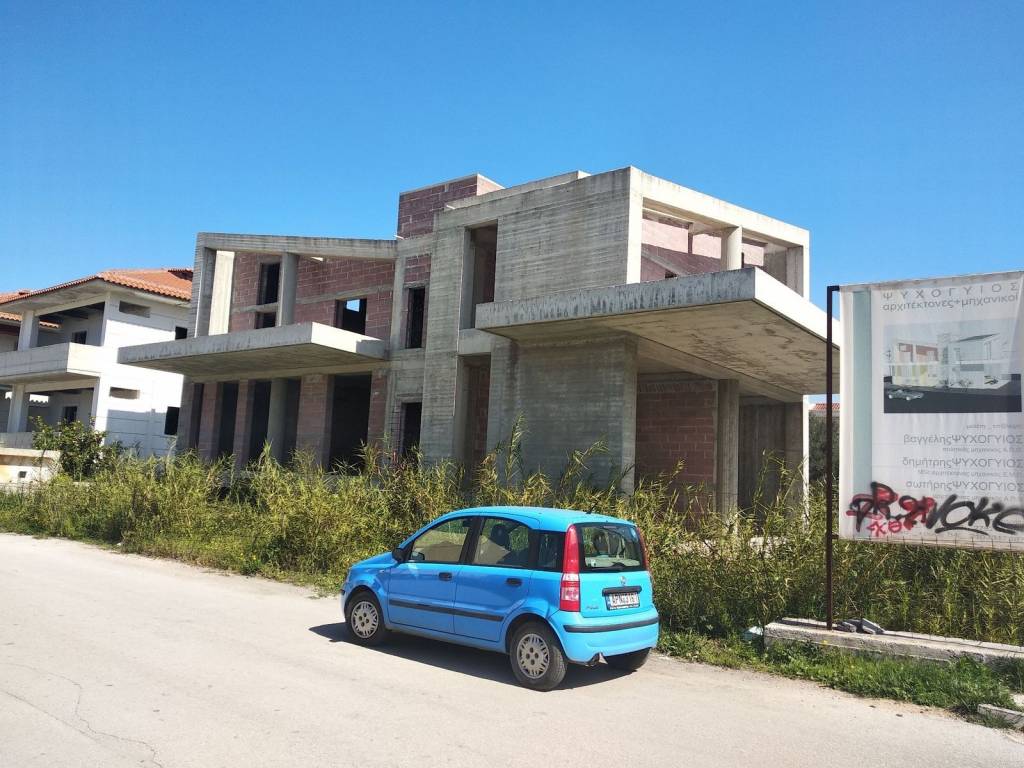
467	661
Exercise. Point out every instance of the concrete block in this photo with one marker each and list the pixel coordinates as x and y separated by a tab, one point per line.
910	645
1011	717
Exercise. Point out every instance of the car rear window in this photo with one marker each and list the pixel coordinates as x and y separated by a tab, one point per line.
609	547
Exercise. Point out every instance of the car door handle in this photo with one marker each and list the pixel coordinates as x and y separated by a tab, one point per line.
445	575
514	582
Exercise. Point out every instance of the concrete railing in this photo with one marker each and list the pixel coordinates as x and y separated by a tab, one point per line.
16	439
78	360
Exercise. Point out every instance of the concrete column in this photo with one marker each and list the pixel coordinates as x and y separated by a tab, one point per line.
795	453
28	336
789	266
186	437
277	417
202	290
732	248
727	447
243	423
220	292
17	417
100	405
209	421
398	303
286	288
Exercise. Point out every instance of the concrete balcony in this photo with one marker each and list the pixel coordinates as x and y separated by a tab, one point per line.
265	353
55	364
740	324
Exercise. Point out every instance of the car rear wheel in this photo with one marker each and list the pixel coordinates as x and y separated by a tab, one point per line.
629	662
537	658
364	619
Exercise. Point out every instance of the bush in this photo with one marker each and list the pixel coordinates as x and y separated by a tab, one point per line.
714	577
81	447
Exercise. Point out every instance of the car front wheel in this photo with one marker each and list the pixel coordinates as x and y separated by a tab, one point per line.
537	659
364	619
629	662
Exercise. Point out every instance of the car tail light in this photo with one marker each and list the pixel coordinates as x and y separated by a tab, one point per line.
569	596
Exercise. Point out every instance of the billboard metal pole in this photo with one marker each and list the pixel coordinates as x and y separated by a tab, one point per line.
829	534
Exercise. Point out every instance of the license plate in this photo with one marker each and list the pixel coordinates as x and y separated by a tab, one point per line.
622	600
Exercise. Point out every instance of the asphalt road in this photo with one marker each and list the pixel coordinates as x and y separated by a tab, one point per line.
113	660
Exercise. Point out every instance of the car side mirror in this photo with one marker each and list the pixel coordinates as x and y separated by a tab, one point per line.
398	554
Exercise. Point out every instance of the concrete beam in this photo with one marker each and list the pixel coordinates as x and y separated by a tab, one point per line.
727	448
336	247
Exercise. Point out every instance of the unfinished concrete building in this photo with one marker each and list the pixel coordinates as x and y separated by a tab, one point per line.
616	307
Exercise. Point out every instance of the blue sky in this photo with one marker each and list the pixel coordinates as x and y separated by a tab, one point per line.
891	130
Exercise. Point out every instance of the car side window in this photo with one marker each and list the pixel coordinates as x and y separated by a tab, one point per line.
549	550
502	542
442	543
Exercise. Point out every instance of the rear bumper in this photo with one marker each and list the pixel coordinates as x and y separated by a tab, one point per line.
582	638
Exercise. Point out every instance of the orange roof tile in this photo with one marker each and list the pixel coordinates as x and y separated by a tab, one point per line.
173	282
7	296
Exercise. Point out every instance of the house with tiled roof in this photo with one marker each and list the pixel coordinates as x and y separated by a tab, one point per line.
58	356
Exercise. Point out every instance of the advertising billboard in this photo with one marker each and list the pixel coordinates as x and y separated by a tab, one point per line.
931	428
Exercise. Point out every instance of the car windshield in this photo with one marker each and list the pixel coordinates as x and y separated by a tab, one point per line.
610	547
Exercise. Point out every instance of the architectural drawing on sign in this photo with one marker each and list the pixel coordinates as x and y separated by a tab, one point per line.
58	356
615	307
981	361
954	371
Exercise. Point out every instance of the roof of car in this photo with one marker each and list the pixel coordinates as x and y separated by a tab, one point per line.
546	518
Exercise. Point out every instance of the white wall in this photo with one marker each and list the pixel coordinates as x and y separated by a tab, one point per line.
139	422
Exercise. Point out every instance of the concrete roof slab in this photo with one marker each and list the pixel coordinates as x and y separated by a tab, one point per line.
739	323
258	353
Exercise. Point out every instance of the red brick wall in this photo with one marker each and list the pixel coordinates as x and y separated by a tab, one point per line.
416	209
316	278
675	419
417	269
312	432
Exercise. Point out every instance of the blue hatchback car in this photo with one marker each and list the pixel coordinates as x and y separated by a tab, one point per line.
546	586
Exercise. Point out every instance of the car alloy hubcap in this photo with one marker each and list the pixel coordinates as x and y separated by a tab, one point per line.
364	619
532	655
